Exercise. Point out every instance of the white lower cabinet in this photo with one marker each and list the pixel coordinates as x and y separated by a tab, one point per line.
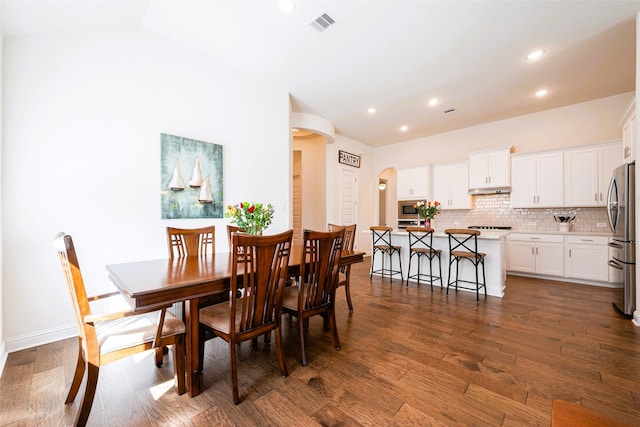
587	258
536	254
577	257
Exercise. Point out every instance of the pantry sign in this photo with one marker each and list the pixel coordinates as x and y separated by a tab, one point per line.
348	159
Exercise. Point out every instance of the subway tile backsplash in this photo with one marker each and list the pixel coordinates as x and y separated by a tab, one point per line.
494	209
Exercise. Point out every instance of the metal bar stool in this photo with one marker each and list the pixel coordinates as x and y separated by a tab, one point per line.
421	245
463	244
382	244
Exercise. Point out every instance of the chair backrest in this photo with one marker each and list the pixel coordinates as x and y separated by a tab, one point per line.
191	241
230	230
463	239
319	268
81	308
420	237
349	234
381	235
259	267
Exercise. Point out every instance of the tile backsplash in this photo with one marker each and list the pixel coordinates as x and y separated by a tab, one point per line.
494	209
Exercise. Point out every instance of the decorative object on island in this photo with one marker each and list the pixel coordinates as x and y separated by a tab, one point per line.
427	211
254	218
201	197
564	219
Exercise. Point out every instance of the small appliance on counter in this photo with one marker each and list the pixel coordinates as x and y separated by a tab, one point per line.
564	219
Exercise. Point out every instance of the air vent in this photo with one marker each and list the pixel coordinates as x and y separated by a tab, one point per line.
323	22
449	110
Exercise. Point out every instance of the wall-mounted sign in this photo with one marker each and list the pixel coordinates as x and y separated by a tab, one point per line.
348	159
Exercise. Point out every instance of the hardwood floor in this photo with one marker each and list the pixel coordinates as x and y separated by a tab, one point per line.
408	357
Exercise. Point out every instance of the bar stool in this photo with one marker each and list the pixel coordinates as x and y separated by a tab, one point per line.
463	244
382	244
421	245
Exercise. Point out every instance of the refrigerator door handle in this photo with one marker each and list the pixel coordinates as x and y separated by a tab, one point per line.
612	205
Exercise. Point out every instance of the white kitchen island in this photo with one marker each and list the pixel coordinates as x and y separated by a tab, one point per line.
492	243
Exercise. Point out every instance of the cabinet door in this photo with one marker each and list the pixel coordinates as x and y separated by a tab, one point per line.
499	166
478	170
523	182
608	160
549	259
404	187
459	186
581	177
589	262
442	185
549	171
522	257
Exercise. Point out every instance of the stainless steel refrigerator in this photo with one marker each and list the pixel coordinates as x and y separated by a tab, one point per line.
621	210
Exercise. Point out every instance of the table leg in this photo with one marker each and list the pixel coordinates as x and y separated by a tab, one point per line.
194	370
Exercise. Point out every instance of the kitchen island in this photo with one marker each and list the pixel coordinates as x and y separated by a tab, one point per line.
492	243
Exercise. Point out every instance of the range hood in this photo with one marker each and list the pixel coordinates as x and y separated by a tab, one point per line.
495	190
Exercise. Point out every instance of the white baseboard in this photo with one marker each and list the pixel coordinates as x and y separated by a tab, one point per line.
3	356
41	337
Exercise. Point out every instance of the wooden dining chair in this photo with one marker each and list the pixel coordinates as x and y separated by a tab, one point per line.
316	292
259	267
230	230
191	241
107	337
345	271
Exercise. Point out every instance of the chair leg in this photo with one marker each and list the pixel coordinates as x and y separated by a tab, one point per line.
347	291
81	365
89	394
234	372
477	282
449	275
280	352
409	270
159	352
334	329
373	261
200	348
484	279
179	364
303	355
440	270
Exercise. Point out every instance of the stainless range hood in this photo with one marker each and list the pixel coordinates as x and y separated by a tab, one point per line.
496	190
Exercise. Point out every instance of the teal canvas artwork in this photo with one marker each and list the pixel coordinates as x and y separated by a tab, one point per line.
190	178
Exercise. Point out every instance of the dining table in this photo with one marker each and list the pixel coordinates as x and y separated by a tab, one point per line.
159	283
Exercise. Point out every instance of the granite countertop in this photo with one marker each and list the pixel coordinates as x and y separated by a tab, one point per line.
565	233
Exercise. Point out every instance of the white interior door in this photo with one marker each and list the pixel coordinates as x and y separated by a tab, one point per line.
348	196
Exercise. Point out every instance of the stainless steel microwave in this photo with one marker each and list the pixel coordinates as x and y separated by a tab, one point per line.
407	209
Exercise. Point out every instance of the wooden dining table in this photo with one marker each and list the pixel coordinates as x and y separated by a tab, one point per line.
161	282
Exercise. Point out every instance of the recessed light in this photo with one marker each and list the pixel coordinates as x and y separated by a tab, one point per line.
371	110
535	55
404	128
542	93
286	6
433	102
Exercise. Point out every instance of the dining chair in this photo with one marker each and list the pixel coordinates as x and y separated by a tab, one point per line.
184	242
463	245
106	337
345	271
381	244
259	267
230	230
421	246
316	291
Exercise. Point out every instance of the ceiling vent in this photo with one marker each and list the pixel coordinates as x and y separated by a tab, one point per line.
323	22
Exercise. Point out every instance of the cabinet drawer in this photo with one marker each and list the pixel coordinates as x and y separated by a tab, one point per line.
588	240
547	238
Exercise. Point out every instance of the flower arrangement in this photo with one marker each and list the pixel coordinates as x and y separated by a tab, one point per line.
252	218
427	210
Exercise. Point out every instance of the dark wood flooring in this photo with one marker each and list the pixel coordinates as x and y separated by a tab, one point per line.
408	357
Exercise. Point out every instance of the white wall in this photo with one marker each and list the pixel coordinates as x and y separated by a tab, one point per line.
83	113
3	352
578	124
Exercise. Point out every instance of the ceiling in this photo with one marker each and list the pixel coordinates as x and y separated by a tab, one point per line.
391	55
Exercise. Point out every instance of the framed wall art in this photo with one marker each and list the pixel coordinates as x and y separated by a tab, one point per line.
190	178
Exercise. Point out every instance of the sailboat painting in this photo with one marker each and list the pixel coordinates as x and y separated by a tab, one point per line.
201	163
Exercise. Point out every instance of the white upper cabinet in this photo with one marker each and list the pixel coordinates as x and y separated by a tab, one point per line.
536	180
450	185
587	172
629	133
413	183
490	169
